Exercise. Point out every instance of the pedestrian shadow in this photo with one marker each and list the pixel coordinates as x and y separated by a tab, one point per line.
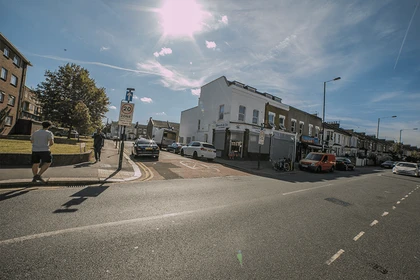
12	194
80	197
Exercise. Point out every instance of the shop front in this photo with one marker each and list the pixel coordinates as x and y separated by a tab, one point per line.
307	145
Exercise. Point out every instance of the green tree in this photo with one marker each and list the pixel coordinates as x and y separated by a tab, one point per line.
81	118
65	89
4	113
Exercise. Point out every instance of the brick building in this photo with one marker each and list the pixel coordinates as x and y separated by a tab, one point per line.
13	67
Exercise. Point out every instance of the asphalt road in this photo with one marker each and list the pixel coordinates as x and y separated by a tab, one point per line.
299	228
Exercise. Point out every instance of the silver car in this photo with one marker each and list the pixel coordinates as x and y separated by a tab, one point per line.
406	168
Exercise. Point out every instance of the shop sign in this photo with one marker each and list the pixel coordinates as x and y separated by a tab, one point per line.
222	126
310	140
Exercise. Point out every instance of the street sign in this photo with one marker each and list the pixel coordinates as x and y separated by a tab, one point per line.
126	114
128	96
261	138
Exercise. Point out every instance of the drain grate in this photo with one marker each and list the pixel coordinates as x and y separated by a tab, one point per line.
379	268
76	186
338	201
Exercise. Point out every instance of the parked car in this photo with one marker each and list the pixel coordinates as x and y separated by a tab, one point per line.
174	147
145	147
198	149
318	162
388	164
407	168
65	133
343	163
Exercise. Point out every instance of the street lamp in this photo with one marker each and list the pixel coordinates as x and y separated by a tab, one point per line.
323	111
379	119
406	129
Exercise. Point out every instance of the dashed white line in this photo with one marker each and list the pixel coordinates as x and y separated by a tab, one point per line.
336	256
384	214
358	236
398	202
403	198
308	189
406	196
374	223
393	207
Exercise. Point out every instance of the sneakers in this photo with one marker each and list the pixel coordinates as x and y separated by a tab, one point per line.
38	178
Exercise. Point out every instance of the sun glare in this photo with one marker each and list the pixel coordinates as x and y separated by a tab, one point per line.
181	18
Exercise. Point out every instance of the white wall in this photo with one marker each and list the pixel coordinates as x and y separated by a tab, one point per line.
188	125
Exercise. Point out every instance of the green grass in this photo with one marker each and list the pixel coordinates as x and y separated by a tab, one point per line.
25	147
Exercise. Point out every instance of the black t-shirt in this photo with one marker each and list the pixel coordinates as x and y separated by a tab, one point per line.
98	139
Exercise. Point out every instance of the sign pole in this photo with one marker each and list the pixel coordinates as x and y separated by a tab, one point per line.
260	143
259	155
121	149
126	117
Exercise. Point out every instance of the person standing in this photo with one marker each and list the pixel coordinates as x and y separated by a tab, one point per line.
41	141
98	143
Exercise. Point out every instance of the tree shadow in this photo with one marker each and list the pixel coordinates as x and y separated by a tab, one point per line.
81	196
12	194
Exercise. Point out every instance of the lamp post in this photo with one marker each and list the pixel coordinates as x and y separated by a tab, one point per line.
379	120
323	112
406	129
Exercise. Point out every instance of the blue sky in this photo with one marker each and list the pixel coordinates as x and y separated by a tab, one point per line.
167	49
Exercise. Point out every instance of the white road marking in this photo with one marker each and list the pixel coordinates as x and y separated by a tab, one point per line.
374	223
104	225
398	202
358	236
403	198
336	256
406	196
384	214
304	190
393	207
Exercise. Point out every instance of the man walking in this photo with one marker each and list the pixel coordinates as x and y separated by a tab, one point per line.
41	141
98	143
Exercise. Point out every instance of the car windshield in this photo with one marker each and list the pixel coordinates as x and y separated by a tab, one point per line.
316	157
208	146
144	141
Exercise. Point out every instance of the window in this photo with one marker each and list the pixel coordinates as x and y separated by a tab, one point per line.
14	80
11	101
339	138
1	97
9	120
241	116
335	138
16	60
282	120
271	117
196	144
3	73
317	131
255	116
293	127
310	129
301	125
221	111
6	52
199	122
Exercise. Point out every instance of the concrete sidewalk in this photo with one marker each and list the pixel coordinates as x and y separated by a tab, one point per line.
79	174
251	166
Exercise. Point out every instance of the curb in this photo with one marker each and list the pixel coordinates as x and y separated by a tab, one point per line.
255	172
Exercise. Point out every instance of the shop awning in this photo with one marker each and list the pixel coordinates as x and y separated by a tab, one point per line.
315	147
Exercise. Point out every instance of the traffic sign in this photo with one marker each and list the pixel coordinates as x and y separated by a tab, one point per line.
128	95
261	137
126	114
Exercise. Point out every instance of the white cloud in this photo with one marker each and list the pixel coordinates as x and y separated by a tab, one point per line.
112	107
224	20
146	100
196	91
161	114
385	96
172	78
210	44
163	52
104	48
135	97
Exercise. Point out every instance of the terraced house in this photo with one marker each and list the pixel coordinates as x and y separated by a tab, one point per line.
13	67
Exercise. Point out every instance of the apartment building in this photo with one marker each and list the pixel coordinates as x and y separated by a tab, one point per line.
13	67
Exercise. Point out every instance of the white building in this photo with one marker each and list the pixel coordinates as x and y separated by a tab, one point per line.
229	115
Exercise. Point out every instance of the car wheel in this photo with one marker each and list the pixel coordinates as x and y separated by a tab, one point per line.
195	155
210	159
182	153
347	168
332	169
318	170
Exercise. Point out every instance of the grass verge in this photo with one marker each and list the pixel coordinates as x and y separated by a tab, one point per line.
25	147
